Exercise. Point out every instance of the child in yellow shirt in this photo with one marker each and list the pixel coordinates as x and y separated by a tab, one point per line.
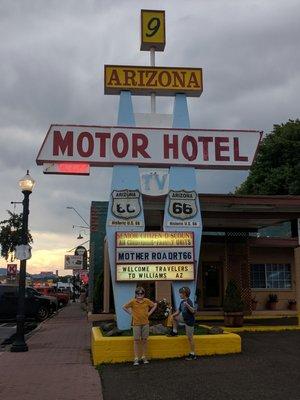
140	308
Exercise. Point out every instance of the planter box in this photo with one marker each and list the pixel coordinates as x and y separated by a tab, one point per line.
271	305
120	348
235	319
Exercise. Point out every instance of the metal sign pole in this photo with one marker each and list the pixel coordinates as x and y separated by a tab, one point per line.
152	64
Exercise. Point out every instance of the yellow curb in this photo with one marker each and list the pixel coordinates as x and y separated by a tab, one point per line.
120	349
246	318
262	328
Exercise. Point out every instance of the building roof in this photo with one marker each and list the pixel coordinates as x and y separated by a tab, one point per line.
227	211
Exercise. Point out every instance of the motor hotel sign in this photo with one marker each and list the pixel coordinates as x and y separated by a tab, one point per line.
163	81
163	256
108	146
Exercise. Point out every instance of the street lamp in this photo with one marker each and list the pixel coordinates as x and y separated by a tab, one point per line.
19	345
81	230
72	208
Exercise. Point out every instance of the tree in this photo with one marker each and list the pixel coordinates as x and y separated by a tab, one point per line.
276	170
11	234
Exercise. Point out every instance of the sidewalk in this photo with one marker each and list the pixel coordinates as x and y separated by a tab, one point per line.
58	364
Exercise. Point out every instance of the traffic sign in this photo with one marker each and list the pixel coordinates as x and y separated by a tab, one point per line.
11	270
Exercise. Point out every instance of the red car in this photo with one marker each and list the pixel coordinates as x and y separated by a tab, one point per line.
62	298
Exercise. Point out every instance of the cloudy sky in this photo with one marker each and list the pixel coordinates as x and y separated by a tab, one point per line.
51	71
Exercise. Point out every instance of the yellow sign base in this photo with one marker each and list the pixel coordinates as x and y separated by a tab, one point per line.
120	349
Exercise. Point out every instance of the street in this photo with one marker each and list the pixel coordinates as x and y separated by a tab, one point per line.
7	329
268	368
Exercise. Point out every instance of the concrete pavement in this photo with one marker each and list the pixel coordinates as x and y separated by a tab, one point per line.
57	365
267	369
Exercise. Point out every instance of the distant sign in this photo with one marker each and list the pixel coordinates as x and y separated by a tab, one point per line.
23	252
12	270
84	276
154	256
150	147
82	251
153	31
163	81
73	262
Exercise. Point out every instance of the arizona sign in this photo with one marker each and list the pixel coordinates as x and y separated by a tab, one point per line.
163	81
108	146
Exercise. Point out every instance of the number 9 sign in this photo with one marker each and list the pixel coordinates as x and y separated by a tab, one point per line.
153	30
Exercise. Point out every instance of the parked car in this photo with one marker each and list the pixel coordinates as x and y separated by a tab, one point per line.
36	305
62	298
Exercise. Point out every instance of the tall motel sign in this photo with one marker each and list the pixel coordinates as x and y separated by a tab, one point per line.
136	255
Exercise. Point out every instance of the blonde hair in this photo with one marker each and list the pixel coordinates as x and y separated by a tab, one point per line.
139	289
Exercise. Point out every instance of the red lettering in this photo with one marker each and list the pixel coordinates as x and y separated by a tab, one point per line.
103	136
205	141
219	148
124	143
141	76
179	79
168	145
236	151
87	137
164	82
139	147
114	79
61	144
129	76
151	78
193	82
185	141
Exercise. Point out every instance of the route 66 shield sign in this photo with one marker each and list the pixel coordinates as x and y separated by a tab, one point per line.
182	204
126	203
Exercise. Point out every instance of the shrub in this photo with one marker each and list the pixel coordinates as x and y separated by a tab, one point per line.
273	298
233	300
161	312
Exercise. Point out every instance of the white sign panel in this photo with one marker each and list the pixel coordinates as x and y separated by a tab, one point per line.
108	146
126	203
182	204
23	252
73	262
154	255
155	272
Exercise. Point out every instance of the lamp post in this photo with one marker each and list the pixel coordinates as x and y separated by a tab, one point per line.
80	216
19	345
82	230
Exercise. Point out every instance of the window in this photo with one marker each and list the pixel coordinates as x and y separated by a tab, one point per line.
283	230
271	276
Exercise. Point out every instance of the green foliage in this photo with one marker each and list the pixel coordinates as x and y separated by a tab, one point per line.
276	170
10	234
233	300
161	312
